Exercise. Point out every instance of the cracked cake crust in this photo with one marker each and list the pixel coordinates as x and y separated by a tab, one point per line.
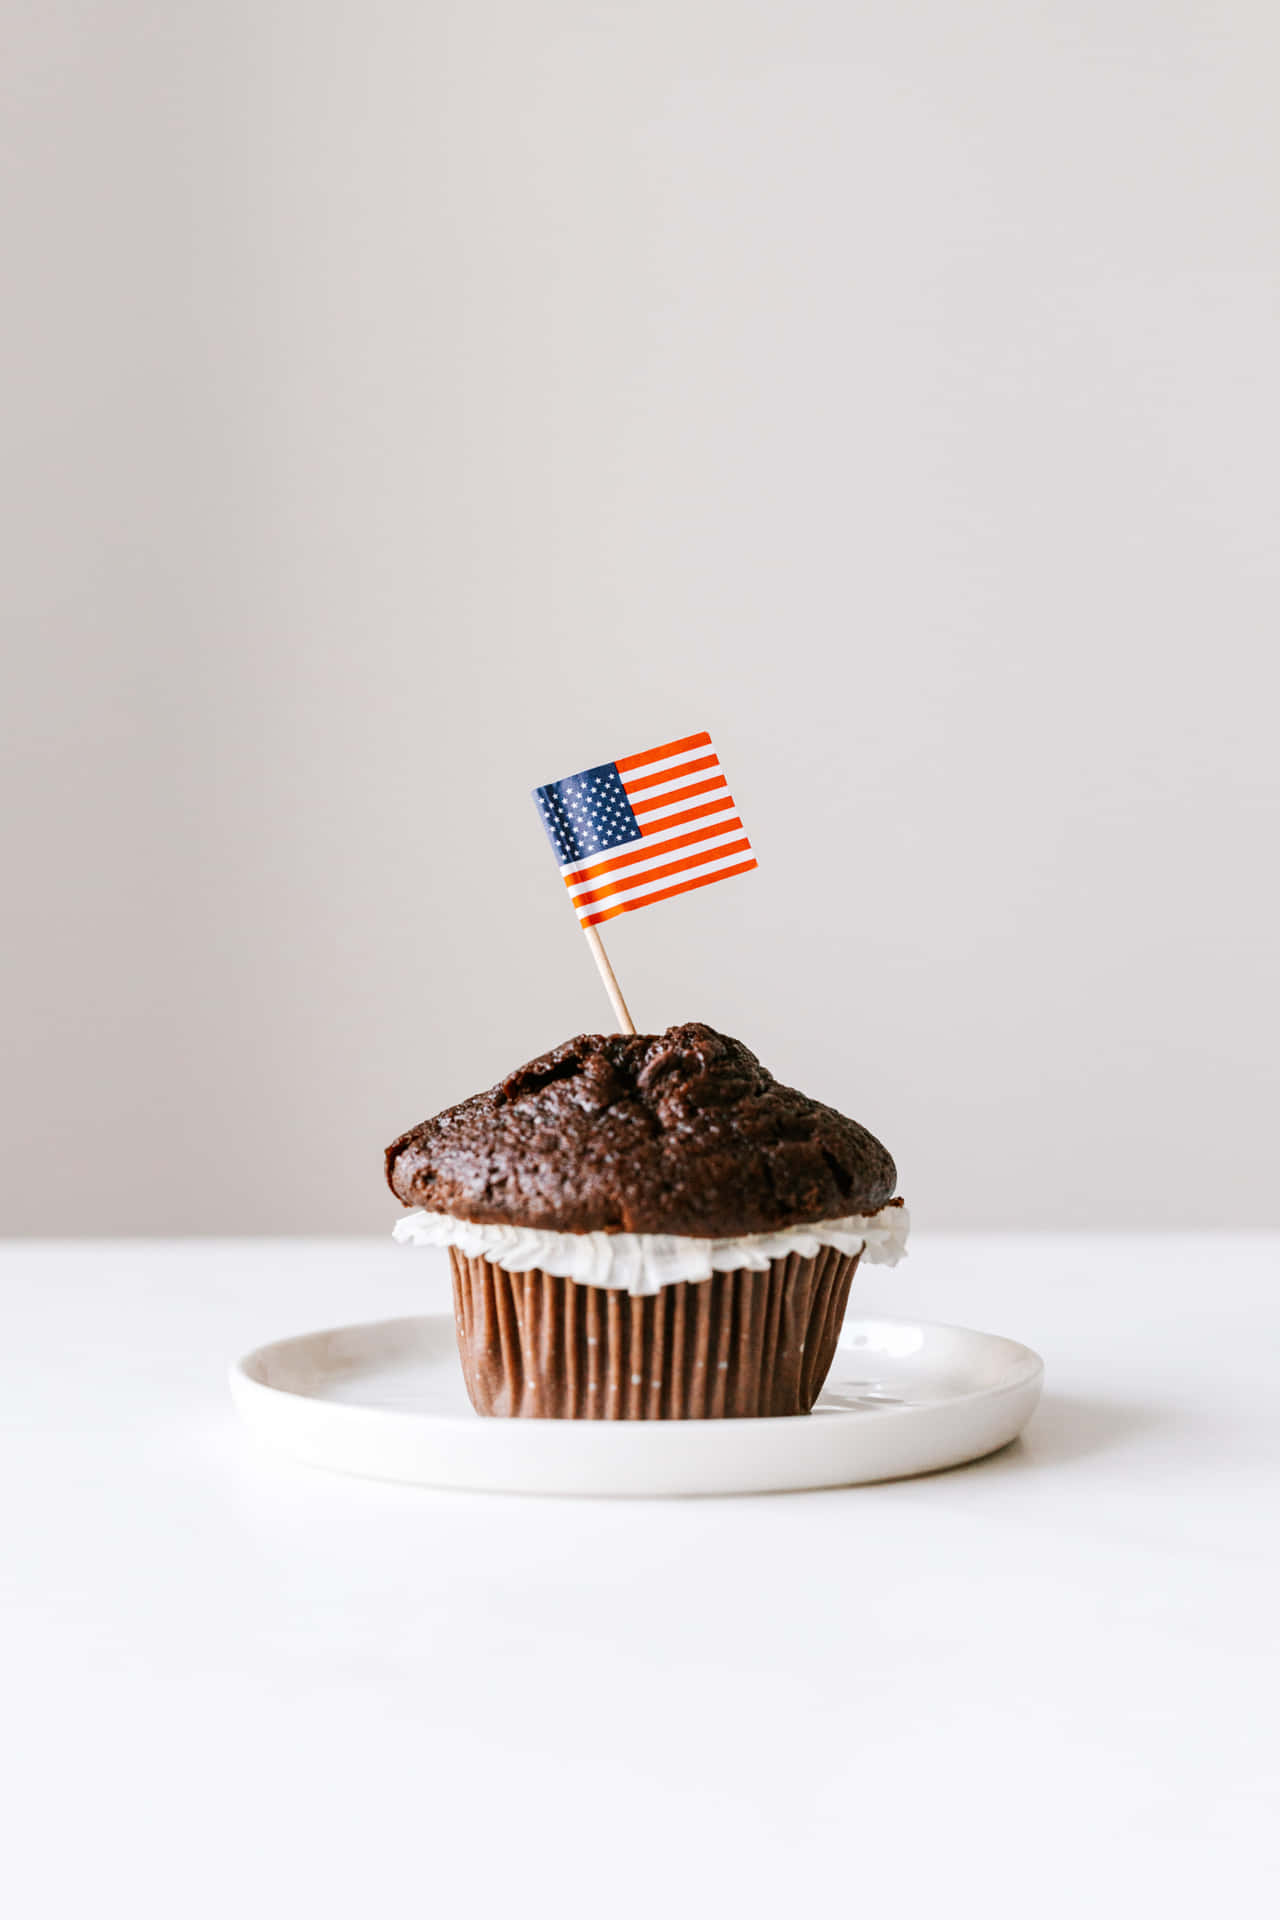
679	1132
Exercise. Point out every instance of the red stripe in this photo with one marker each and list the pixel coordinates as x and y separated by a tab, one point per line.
676	773
686	886
681	793
649	852
686	745
692	813
659	873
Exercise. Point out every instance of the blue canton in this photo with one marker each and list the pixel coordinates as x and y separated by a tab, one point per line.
586	814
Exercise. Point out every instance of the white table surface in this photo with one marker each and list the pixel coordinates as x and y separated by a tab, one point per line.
1048	1683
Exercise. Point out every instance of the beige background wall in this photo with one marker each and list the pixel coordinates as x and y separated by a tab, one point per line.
408	403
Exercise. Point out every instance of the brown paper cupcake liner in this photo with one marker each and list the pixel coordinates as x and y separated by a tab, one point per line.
538	1346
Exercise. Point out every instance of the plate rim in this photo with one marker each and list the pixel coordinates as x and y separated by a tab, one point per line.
1027	1369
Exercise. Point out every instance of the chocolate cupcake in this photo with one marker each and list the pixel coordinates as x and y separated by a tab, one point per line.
647	1227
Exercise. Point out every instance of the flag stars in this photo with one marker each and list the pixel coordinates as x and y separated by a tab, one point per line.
586	814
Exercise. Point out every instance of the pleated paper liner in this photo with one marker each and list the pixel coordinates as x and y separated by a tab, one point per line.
740	1344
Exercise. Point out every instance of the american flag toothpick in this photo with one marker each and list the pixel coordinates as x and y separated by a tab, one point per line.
639	830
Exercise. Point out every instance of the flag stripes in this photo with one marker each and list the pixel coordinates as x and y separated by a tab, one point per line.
645	828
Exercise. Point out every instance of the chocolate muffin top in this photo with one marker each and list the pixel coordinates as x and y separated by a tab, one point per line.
677	1132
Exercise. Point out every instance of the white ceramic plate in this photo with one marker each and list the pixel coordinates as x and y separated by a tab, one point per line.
387	1401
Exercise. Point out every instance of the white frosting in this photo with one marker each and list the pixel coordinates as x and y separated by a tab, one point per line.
644	1262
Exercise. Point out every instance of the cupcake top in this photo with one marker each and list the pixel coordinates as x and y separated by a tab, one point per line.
682	1132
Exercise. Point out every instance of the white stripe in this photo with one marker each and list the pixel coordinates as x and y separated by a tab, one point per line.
720	798
678	779
673	880
674	762
663	837
660	855
670	770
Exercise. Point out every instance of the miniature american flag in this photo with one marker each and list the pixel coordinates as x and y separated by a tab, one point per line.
644	828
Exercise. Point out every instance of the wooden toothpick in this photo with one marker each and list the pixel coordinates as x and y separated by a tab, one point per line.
607	974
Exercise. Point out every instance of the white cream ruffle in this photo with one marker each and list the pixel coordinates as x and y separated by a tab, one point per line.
645	1262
